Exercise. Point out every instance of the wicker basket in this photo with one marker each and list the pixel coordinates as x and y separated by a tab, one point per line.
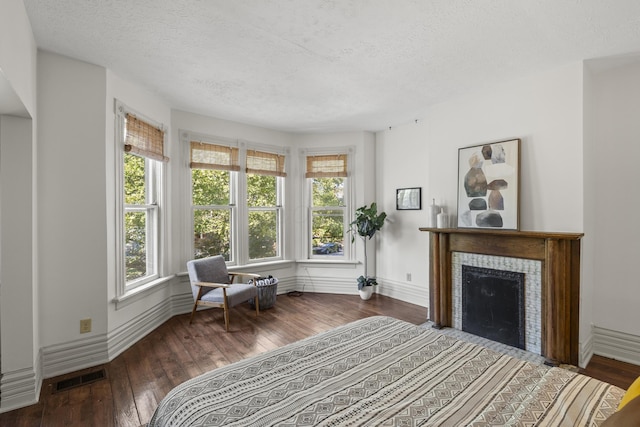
267	292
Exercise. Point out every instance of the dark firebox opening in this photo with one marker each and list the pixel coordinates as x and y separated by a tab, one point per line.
493	305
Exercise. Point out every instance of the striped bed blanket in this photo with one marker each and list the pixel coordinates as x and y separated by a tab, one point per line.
387	372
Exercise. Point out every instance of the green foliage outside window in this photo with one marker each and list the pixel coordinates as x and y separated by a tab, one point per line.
210	187
262	199
327	223
212	232
212	215
135	226
263	239
328	192
135	247
261	191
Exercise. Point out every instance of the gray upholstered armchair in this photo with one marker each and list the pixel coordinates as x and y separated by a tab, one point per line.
213	286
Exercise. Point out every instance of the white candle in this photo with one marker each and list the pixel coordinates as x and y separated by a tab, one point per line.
442	219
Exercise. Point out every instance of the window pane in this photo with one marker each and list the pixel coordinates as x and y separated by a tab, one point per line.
134	180
210	187
212	232
328	192
327	232
261	190
135	244
263	234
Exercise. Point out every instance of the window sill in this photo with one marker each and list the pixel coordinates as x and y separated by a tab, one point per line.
328	262
141	292
249	266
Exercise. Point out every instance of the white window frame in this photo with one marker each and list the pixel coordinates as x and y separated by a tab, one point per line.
279	209
156	223
232	207
347	208
152	212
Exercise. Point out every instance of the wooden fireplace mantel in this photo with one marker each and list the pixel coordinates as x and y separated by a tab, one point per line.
560	257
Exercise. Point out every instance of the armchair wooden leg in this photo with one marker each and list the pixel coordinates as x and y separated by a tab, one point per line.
257	305
226	310
195	306
226	318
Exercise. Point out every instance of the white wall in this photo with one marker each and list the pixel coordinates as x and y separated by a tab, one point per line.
19	345
545	111
72	200
19	335
404	156
17	243
590	239
615	178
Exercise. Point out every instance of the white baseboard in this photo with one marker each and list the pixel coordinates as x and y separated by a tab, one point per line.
133	331
586	351
405	291
98	349
74	355
616	345
19	388
329	285
287	284
326	285
181	304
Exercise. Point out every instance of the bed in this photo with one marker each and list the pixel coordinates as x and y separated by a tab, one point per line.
384	371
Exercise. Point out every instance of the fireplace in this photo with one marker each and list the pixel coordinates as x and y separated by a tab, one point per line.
555	256
493	304
527	270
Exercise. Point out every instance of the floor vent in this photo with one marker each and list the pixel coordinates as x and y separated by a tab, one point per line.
80	380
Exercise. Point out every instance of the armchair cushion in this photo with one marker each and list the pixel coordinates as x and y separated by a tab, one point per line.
236	294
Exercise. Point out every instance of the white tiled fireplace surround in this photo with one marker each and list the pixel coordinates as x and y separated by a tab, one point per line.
532	270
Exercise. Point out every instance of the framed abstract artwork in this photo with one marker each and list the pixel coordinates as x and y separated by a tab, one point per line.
409	198
489	185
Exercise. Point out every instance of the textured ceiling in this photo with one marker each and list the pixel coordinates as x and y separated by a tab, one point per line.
329	65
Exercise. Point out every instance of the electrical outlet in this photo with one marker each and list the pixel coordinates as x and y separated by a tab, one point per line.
85	326
408	277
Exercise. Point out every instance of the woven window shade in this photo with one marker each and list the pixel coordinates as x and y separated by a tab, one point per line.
262	163
327	166
211	156
144	139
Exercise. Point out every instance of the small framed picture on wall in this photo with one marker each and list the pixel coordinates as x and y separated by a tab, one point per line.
409	198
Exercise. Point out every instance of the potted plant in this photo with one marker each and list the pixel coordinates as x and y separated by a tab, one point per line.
366	224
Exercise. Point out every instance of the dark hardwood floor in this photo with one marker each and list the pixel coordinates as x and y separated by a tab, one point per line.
175	352
612	371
